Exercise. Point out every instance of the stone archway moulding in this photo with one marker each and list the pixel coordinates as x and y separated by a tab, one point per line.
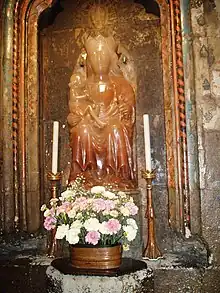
21	196
20	99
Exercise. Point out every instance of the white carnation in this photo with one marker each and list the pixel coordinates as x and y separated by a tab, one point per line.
92	224
122	194
72	236
103	228
114	213
131	222
71	213
131	199
61	231
98	189
53	201
79	216
76	224
66	194
43	208
130	232
47	213
125	211
109	195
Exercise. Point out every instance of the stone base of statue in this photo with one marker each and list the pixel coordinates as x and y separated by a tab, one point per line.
132	276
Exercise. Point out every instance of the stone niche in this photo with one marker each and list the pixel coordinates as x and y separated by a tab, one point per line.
47	47
60	44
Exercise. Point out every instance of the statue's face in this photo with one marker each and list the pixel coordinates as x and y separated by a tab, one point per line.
100	62
98	17
99	55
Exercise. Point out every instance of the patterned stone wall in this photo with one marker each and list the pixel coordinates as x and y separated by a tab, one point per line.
206	47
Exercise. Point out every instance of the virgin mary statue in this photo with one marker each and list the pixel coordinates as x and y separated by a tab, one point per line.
102	112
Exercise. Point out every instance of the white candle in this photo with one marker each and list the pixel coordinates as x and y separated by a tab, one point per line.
147	142
55	147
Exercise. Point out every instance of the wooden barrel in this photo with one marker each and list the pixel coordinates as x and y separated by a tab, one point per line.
101	258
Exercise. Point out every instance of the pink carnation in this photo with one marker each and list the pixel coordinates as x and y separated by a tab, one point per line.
49	223
113	226
81	202
64	208
109	205
92	237
133	209
99	205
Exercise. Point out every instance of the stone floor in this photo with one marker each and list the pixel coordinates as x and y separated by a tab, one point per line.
173	274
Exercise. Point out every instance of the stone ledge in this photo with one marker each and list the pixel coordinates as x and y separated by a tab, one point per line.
139	281
27	274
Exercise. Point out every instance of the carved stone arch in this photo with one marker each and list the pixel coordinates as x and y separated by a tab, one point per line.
184	203
175	118
21	189
167	58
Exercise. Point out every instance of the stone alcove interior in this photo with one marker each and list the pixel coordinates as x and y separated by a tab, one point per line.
42	61
138	28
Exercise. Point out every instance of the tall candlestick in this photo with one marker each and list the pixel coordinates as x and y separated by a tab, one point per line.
147	142
55	147
151	251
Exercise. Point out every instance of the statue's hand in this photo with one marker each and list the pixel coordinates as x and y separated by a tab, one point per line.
92	110
124	110
73	119
87	110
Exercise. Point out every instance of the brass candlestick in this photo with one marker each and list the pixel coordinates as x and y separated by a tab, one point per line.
151	251
53	248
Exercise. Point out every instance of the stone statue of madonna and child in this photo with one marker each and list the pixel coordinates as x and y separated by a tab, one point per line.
102	110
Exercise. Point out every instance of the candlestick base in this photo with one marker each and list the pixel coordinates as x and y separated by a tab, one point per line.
53	247
151	251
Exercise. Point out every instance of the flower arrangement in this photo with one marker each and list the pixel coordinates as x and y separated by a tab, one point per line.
97	216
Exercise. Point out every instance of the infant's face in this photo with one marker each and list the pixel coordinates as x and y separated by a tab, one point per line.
76	81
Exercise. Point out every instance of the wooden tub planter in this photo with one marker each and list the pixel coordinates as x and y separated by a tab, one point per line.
96	257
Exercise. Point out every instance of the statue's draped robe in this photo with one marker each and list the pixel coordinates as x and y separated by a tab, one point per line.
105	153
101	119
